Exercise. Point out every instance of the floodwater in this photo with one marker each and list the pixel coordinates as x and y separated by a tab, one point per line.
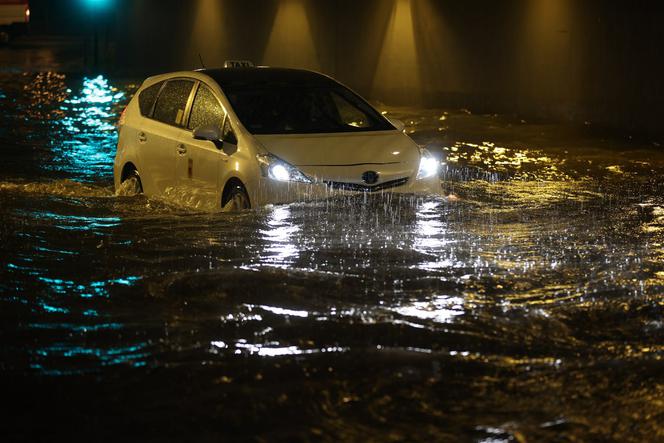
524	304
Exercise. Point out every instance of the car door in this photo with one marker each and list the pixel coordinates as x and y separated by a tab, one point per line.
160	136
199	162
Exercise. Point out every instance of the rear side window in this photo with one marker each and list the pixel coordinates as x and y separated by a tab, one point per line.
206	109
172	102
147	98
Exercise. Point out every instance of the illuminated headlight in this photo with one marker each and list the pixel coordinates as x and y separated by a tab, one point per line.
277	169
428	165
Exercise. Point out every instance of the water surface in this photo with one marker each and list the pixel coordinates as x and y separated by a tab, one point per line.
522	304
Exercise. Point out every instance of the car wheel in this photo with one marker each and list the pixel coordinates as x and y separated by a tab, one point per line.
238	200
131	185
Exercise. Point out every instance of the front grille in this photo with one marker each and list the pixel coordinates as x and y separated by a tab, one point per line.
365	188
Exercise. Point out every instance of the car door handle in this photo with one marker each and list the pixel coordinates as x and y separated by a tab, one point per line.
182	149
142	138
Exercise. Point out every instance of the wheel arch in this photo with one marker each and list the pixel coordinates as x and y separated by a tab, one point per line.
127	169
232	182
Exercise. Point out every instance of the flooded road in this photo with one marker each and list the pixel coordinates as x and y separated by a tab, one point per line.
525	306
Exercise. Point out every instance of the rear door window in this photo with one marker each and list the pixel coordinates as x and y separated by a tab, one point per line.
172	102
147	97
206	109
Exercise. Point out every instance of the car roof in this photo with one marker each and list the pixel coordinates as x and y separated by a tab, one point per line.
249	77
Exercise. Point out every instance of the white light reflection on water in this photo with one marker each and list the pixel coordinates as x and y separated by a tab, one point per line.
431	235
272	349
280	237
281	311
440	309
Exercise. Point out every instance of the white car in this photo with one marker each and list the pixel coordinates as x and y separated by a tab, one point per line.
243	137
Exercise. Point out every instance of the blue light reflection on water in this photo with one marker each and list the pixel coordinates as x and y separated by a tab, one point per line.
76	117
86	147
133	355
68	307
71	327
68	324
87	290
74	222
54	309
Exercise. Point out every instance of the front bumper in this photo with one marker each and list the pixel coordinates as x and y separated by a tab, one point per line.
275	192
355	187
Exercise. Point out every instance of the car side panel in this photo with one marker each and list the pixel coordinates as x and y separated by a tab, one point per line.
243	166
126	149
155	144
198	172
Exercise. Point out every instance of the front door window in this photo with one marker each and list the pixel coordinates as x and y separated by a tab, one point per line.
206	109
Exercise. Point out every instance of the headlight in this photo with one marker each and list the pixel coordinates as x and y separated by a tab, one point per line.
428	165
277	169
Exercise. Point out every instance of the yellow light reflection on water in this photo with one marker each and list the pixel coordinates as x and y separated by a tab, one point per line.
45	91
520	163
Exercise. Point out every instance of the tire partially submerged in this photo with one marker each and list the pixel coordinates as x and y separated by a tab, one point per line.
236	199
131	185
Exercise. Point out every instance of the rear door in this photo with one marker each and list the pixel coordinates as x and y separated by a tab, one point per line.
199	162
160	136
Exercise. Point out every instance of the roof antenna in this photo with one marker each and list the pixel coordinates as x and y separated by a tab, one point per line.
200	58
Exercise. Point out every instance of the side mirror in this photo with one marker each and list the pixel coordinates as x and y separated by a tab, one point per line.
210	133
213	133
397	124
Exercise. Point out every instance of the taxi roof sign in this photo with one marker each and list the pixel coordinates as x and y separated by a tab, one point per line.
238	64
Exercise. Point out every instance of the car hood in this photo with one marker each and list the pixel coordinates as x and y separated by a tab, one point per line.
345	156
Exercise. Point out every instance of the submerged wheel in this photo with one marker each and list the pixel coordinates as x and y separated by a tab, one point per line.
236	199
131	184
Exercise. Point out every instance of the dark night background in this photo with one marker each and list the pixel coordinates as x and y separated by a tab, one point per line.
522	301
582	61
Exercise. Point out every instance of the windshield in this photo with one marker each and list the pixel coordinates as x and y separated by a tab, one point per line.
291	109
